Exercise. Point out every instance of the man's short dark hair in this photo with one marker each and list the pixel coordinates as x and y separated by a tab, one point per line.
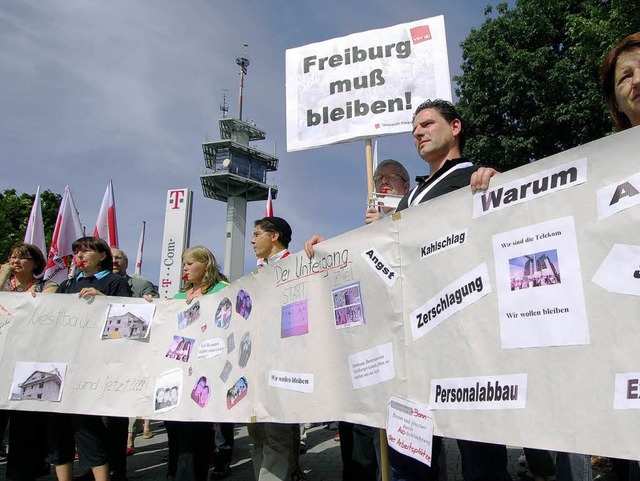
276	225
448	112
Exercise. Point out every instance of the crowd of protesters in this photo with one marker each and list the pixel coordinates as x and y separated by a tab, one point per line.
102	443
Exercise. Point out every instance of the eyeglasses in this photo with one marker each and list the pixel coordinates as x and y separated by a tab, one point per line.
20	258
259	233
388	177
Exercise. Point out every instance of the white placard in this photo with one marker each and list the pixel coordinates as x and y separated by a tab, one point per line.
293	381
444	243
365	84
529	188
616	197
380	266
483	392
210	348
627	391
410	429
620	270
463	292
540	286
372	366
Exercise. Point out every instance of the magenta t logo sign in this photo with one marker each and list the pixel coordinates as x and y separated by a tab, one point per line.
176	197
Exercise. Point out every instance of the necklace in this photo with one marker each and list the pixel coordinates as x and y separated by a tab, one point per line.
15	287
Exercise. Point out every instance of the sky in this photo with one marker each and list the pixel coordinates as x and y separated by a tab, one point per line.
128	90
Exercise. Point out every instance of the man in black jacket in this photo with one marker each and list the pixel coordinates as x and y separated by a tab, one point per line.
439	136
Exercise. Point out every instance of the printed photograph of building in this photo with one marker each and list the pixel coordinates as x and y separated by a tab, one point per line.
126	325
534	270
128	321
39	381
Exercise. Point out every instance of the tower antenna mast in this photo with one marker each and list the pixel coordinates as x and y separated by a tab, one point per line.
224	108
243	62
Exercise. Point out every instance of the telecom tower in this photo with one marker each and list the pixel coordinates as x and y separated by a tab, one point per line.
237	174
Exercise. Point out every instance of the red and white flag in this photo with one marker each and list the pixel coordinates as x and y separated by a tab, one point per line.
68	229
35	227
106	226
268	210
138	269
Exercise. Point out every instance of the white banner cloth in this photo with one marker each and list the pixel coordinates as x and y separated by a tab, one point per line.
311	340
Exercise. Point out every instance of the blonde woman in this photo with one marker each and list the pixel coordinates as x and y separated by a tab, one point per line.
190	443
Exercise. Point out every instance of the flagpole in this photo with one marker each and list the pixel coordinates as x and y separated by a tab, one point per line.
138	269
375	156
369	156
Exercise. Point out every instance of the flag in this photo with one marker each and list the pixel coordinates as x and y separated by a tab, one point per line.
138	269
35	227
68	228
268	210
106	226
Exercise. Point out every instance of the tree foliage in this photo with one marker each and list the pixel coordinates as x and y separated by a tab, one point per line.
529	86
14	216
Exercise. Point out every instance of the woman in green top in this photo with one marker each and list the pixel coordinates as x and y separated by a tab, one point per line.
190	443
201	273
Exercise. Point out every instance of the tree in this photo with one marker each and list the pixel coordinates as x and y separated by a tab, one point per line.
529	86
14	216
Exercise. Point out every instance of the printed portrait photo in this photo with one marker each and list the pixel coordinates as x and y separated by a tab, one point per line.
243	303
244	351
201	392
237	392
189	316
168	390
223	314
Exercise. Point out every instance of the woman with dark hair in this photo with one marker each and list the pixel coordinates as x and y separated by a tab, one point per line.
93	258
66	431
620	78
190	443
19	274
26	460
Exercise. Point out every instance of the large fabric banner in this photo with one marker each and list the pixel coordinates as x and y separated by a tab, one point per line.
365	84
513	314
